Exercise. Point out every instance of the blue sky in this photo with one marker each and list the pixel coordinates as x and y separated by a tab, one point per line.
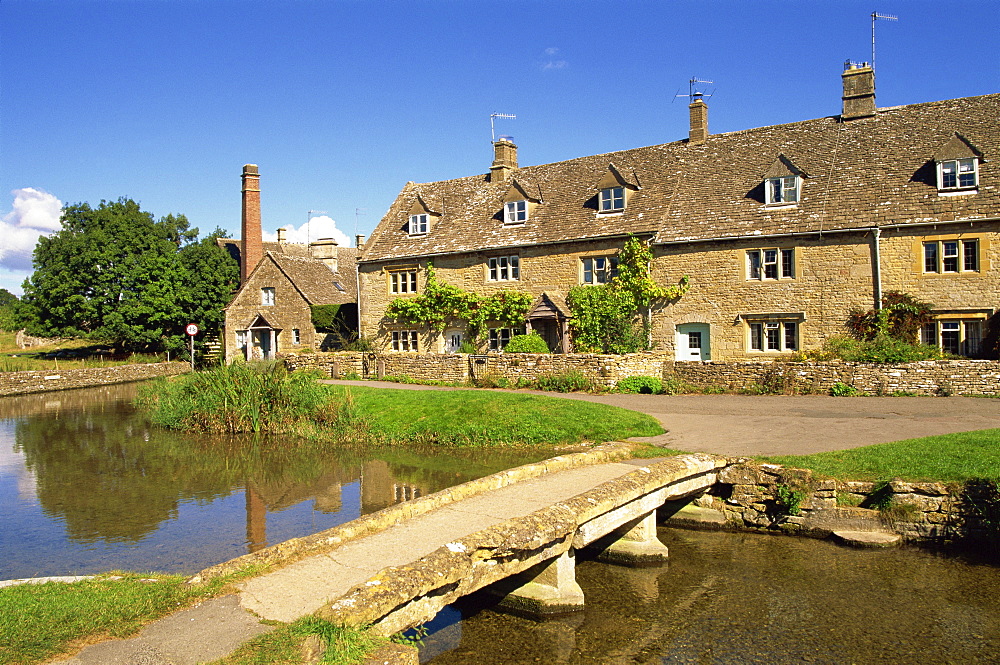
341	102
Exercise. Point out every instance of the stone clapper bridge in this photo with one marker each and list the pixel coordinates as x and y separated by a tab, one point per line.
516	530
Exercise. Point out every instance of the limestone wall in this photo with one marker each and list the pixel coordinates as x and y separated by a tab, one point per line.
932	377
19	383
749	495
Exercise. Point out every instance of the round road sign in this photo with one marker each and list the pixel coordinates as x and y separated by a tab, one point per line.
191	329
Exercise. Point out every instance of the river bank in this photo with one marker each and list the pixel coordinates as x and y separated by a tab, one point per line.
37	381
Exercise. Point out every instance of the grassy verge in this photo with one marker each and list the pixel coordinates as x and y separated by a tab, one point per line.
944	458
68	354
284	646
39	621
471	417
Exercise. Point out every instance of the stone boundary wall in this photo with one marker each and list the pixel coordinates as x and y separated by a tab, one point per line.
925	377
928	377
33	381
747	496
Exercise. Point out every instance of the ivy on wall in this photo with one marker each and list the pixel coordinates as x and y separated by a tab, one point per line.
440	303
615	317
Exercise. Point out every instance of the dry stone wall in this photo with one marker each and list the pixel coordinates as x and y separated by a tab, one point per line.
931	377
20	383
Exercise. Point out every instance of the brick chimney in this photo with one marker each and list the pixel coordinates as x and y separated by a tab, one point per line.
253	246
859	91
504	158
699	120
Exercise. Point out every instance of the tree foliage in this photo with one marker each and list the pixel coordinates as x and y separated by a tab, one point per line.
615	317
441	303
116	274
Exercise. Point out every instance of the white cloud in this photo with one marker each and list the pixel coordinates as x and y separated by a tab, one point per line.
317	227
550	61
35	213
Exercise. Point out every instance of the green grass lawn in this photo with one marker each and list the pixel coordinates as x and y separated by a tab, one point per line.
945	458
472	417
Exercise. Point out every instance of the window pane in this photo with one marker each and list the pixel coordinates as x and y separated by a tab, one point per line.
791	336
970	255
773	333
493	269
588	271
774	190
756	333
950	337
754	256
515	267
928	334
930	257
949	259
967	173
948	175
973	338
771	264
788	263
789	190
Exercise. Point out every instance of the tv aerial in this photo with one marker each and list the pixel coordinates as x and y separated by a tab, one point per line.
875	17
502	116
695	92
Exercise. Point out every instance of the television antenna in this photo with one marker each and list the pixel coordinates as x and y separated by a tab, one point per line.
309	216
502	116
357	213
693	92
875	17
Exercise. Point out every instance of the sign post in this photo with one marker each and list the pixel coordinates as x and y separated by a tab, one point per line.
191	330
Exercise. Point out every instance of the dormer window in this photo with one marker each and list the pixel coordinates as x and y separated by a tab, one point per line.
958	173
957	163
783	182
782	190
516	212
419	224
612	199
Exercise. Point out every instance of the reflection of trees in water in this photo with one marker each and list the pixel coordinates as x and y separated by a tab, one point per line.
109	475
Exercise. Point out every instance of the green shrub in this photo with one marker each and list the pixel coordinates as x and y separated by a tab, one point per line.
880	349
790	499
467	347
843	390
530	343
648	385
566	382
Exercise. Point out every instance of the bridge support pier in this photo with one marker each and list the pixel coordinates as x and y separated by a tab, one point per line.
552	590
638	546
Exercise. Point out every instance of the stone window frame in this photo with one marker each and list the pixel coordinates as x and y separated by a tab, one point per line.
785	264
421	221
611	199
775	190
404	340
960	336
516	212
296	336
503	268
401	281
971	175
242	339
773	333
267	296
966	252
610	271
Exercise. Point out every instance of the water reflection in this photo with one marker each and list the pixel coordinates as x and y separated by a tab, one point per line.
745	598
86	485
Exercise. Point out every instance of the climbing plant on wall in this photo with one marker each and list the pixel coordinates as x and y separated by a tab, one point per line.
440	303
615	317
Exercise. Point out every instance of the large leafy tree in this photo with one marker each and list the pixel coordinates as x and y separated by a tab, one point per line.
116	274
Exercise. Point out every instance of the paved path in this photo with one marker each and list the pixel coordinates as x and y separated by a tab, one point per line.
786	425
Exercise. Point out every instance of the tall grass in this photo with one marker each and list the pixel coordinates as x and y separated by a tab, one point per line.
242	397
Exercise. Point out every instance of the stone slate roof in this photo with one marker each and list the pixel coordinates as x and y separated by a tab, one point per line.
235	247
316	282
856	174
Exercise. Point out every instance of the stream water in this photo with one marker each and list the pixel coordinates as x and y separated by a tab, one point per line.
86	485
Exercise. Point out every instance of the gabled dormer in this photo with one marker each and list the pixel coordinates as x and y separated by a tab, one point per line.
519	203
783	182
421	217
957	166
614	190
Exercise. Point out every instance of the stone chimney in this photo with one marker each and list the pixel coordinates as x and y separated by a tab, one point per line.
325	249
699	120
281	235
253	246
359	240
859	91
504	158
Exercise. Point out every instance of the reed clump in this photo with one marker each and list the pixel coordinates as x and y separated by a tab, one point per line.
244	397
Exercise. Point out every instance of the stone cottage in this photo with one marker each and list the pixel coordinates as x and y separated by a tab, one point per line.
783	230
282	283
